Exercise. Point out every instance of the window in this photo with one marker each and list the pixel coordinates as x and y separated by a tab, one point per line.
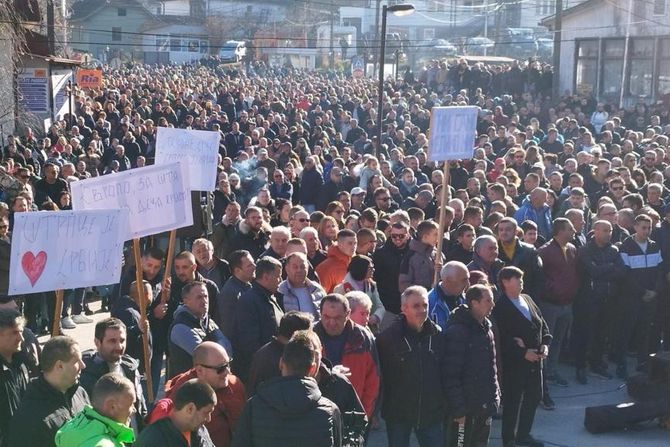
663	87
116	34
429	33
544	7
641	67
587	66
659	7
194	46
121	12
612	69
162	43
175	43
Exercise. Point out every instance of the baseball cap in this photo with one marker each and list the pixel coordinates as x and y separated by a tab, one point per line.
357	190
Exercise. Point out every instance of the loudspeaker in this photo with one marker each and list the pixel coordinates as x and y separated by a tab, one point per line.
617	417
641	388
659	366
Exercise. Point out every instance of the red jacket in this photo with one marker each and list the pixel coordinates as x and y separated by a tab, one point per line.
561	280
229	404
333	270
360	356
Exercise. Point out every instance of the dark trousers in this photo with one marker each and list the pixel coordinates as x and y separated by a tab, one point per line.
521	393
159	346
634	315
660	331
73	298
590	329
475	432
398	435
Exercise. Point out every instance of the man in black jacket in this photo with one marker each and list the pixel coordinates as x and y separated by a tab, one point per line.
243	268
515	253
53	398
250	234
194	402
127	310
387	260
110	356
602	269
258	315
409	353
469	371
290	410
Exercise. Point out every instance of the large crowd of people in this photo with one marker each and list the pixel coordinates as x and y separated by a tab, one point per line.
309	304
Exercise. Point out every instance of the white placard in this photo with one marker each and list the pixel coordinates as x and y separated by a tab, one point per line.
196	149
157	198
452	133
65	249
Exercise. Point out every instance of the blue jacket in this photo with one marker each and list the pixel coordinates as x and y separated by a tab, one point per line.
438	309
541	217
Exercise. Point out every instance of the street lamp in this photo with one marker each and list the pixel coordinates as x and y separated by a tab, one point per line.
399	10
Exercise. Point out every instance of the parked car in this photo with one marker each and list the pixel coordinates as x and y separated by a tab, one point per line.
478	46
233	51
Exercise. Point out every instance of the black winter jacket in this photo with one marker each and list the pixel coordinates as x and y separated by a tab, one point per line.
96	367
410	365
469	370
289	412
602	270
258	315
527	259
387	262
127	310
163	433
43	411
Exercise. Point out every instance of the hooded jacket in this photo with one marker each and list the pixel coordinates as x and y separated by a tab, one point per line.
418	266
91	429
288	300
245	239
289	412
469	370
333	270
43	411
387	268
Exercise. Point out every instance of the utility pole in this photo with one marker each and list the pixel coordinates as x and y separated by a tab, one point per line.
377	33
499	5
558	25
331	63
51	27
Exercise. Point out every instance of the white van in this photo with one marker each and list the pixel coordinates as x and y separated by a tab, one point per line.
233	51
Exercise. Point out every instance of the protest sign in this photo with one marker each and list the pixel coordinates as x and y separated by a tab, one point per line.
65	249
452	133
157	198
196	149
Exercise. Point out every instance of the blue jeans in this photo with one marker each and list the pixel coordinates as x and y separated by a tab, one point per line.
399	434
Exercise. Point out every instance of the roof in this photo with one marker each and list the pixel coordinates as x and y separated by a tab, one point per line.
83	9
549	21
53	59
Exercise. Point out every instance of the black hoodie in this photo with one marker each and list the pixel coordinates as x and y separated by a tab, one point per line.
290	412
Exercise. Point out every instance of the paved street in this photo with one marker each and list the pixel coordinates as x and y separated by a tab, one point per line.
563	427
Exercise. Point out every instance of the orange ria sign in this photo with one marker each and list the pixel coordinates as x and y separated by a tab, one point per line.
89	78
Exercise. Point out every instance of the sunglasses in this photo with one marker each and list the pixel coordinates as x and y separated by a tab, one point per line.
303	220
398	236
219	369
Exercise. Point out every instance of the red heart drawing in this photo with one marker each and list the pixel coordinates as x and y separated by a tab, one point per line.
33	266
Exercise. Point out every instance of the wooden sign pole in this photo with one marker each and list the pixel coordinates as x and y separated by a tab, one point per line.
442	221
55	330
165	296
139	282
